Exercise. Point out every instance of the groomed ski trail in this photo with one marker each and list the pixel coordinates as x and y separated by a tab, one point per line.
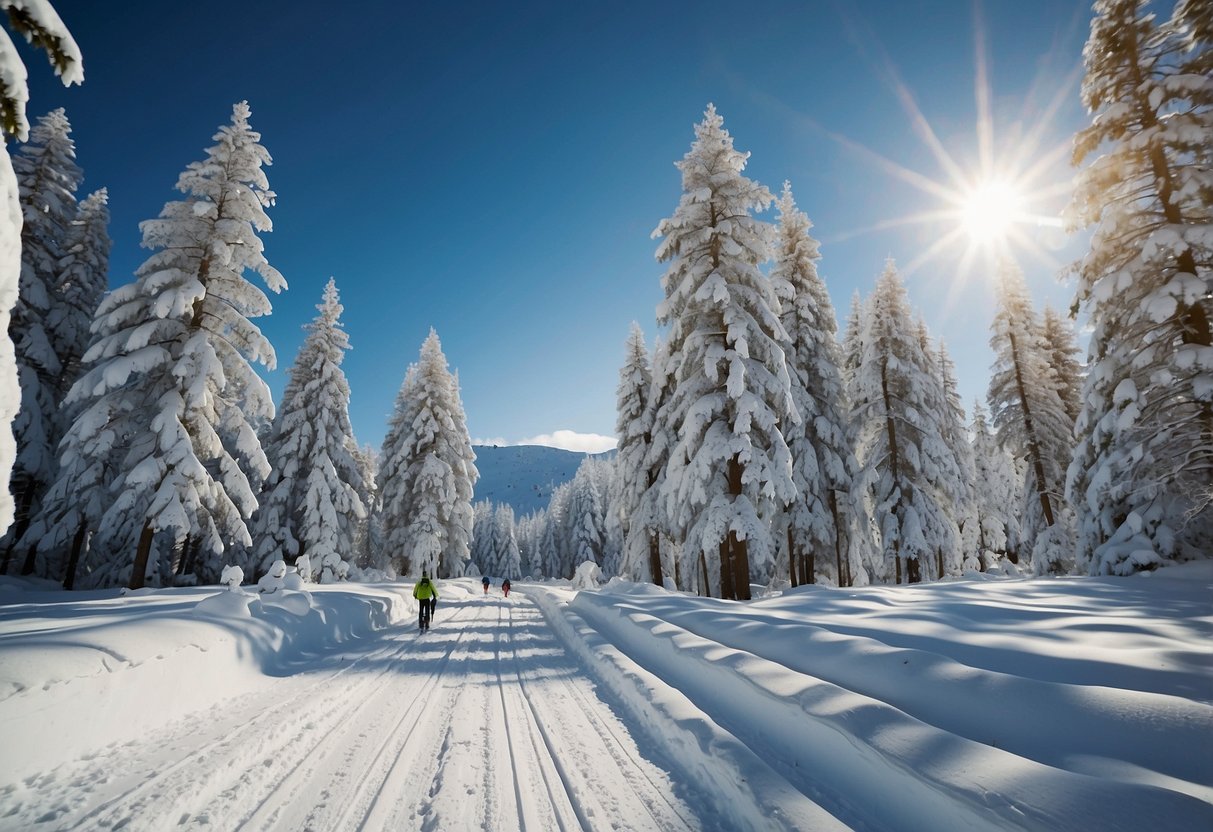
484	722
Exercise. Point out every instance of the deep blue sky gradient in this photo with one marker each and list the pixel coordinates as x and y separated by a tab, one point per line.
494	170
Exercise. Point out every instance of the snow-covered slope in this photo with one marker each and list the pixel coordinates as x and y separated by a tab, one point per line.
523	476
1038	704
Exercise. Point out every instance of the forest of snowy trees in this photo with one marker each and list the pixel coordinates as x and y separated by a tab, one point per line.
756	443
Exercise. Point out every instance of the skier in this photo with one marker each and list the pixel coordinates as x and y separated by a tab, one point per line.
505	587
427	599
486	584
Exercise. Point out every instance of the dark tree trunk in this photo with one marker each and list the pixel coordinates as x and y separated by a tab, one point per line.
21	518
739	549
139	570
703	575
31	560
655	559
810	568
842	579
791	558
73	561
726	571
939	560
913	571
1029	427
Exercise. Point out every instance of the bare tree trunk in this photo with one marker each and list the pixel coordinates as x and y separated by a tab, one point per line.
843	580
739	549
73	561
139	570
791	558
939	561
655	559
913	571
1042	489
21	517
726	571
810	568
703	575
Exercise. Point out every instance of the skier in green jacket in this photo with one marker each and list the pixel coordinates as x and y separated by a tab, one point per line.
427	599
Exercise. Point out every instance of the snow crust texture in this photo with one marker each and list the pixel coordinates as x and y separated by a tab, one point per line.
625	707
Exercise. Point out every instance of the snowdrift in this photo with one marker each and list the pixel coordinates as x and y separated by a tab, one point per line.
83	670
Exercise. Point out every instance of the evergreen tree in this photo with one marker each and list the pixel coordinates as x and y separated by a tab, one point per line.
960	490
548	552
172	356
633	478
38	23
995	497
366	550
482	538
902	456
1144	460
48	175
311	503
730	469
1030	419
853	340
823	466
586	520
428	469
82	282
1059	339
505	547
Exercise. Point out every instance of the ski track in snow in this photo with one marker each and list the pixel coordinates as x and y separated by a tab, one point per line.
637	709
482	723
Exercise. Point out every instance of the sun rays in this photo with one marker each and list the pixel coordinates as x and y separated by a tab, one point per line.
977	211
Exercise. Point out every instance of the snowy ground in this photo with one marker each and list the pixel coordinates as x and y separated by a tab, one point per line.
1020	704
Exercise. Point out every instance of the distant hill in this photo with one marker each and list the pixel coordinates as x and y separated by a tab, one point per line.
524	475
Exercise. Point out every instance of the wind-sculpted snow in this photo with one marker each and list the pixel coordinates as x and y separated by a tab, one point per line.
1027	704
1043	704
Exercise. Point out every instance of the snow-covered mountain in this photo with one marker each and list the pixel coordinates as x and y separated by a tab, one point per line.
523	476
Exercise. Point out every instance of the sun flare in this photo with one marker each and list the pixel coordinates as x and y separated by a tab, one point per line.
990	210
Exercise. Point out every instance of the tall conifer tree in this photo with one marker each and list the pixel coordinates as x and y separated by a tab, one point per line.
730	469
819	525
1144	461
311	503
171	359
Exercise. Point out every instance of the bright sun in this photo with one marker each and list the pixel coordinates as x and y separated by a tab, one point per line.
990	210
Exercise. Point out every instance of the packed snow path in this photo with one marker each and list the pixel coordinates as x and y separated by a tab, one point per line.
1047	704
484	722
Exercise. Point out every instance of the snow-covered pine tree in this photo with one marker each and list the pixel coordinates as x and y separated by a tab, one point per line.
853	339
547	552
560	553
730	470
1144	459
823	466
428	469
1030	419
1058	334
505	546
482	537
48	175
996	496
952	429
311	503
366	550
173	349
901	454
586	521
82	282
38	23
641	560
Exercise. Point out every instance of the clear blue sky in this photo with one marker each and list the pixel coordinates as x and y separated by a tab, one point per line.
494	170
